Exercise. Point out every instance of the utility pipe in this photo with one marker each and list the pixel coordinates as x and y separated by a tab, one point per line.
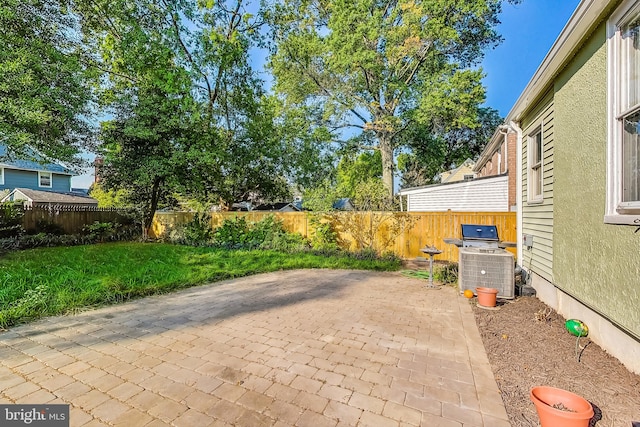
504	130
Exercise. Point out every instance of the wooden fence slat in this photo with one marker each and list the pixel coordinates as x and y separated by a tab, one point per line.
430	228
71	219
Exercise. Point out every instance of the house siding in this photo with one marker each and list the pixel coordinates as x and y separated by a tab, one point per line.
489	195
14	178
596	263
537	217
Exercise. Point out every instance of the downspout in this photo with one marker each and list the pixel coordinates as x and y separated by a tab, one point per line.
504	130
506	151
518	172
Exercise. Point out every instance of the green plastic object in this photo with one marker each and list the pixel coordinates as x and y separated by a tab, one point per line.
577	328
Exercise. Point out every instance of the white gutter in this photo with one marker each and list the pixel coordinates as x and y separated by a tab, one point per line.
515	126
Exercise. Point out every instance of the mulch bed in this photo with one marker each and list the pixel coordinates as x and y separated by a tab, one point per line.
528	345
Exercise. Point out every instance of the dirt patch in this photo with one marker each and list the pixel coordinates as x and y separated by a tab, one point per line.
528	345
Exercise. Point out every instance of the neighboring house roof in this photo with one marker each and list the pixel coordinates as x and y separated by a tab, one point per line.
344	204
80	191
454	175
586	16
37	196
282	207
7	162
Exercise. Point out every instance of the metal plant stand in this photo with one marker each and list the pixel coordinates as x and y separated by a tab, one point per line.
431	251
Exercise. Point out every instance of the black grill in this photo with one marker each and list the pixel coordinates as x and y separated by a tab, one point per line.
479	235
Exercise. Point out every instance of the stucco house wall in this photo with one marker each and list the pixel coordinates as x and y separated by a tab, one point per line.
580	265
597	263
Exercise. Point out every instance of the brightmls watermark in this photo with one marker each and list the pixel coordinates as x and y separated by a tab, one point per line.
34	415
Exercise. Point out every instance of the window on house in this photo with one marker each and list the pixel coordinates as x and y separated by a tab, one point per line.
44	179
623	176
468	177
535	181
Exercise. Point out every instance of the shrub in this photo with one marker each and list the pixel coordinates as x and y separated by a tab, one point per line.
198	231
100	231
47	227
95	233
10	220
324	237
268	233
446	273
232	233
31	305
286	242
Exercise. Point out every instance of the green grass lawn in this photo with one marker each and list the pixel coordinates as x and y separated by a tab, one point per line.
49	281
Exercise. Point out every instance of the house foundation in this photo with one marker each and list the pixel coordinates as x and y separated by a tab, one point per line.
603	332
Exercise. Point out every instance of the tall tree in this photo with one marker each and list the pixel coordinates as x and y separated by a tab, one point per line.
354	170
379	67
190	115
44	86
436	148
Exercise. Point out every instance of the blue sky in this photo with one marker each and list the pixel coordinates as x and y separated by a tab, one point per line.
529	30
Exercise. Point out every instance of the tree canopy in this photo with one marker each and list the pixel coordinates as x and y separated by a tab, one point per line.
184	115
382	68
190	115
45	88
437	149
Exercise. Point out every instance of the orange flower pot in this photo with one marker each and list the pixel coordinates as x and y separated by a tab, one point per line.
557	407
487	296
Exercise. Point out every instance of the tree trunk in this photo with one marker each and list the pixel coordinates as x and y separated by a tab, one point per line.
386	150
155	198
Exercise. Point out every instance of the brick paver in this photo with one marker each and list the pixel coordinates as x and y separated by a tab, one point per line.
299	348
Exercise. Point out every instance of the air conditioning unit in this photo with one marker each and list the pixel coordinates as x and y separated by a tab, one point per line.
486	267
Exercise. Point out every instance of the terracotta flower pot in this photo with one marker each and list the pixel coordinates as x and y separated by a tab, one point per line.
557	407
487	296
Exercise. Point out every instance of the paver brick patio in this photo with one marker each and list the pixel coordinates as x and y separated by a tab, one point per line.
298	348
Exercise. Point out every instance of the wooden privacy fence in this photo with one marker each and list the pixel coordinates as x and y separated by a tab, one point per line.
70	218
426	228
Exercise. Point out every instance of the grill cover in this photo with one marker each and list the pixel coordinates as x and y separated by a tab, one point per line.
479	232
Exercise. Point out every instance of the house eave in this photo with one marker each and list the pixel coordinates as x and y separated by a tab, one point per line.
588	14
14	167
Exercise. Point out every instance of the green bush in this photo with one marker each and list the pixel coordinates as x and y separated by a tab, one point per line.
47	227
32	304
95	233
196	232
99	229
232	233
286	242
10	220
446	273
324	237
268	233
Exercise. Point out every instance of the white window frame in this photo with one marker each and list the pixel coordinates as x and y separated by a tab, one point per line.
1	176
41	174
616	211
535	171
